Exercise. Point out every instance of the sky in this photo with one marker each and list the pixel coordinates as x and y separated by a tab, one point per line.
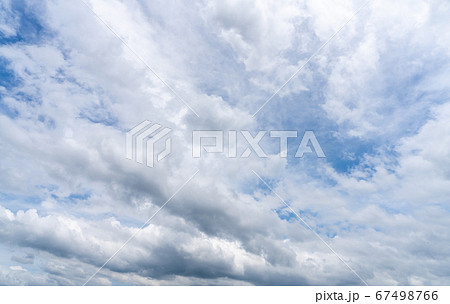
75	76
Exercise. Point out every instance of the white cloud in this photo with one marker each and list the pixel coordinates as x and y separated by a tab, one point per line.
380	74
81	89
8	21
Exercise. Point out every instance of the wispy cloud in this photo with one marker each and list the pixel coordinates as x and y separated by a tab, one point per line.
377	99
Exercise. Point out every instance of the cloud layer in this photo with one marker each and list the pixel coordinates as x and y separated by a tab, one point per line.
376	96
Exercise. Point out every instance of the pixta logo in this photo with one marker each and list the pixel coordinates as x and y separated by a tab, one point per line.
141	141
215	143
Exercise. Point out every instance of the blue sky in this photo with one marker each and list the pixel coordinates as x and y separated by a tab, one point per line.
376	97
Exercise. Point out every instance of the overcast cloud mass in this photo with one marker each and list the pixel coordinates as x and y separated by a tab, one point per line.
377	97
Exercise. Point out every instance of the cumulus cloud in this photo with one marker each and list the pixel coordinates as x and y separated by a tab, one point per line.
69	198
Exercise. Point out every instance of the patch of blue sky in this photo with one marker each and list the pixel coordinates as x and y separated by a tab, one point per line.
405	67
84	198
311	218
62	77
16	202
298	53
341	153
343	156
248	186
26	97
303	111
99	114
337	228
401	92
48	121
48	187
8	79
13	90
262	185
443	205
7	110
216	69
331	235
72	197
126	220
79	196
285	214
300	111
30	29
8	251
219	73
